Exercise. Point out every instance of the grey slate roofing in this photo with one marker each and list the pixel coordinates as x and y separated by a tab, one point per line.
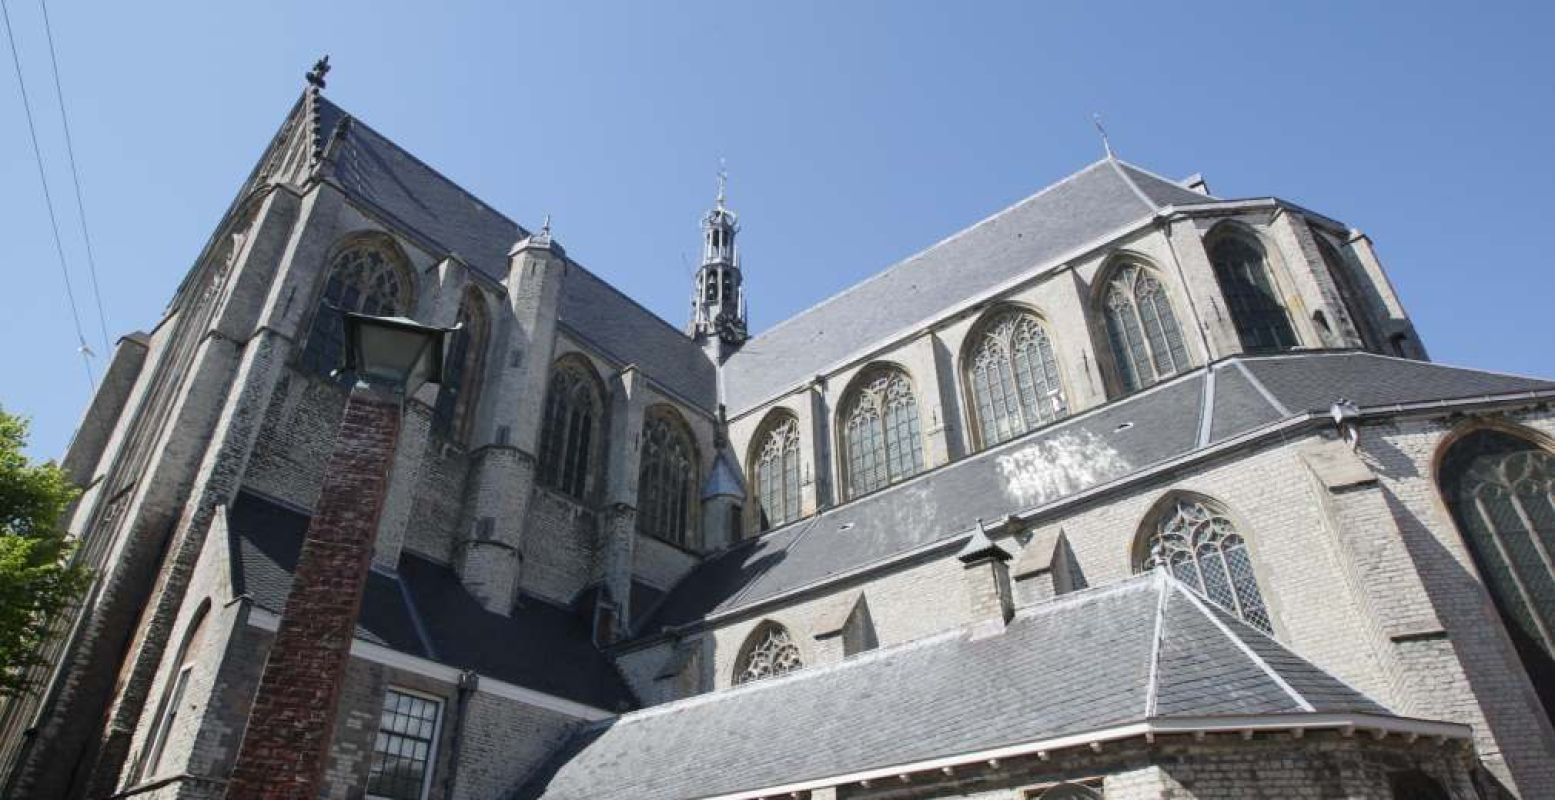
1101	446
1095	201
1081	663
370	168
425	611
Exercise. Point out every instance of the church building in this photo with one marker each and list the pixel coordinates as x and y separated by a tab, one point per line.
1127	491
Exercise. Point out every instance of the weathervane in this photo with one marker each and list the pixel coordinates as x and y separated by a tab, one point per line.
1105	143
723	180
316	75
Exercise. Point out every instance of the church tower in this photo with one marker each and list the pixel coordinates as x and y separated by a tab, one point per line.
718	299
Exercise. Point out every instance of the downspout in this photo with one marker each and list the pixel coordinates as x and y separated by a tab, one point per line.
469	682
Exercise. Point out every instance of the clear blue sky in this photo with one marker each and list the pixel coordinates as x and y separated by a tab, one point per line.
855	134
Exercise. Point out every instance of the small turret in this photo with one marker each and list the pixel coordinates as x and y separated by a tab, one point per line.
718	298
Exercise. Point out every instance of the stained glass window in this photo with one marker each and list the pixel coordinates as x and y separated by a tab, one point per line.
1013	377
570	429
666	477
368	278
776	472
1201	547
1501	491
462	367
768	653
402	751
880	432
1146	342
1254	305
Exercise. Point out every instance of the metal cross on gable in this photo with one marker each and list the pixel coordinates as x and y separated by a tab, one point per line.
316	75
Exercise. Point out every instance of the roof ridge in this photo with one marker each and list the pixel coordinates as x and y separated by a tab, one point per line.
1138	192
1152	683
1243	646
923	251
1162	178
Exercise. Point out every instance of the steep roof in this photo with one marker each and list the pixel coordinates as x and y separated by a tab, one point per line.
425	611
1143	650
371	169
1092	203
1103	446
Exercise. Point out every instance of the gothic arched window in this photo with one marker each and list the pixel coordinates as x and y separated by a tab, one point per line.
367	277
1199	544
1146	342
1013	377
768	652
462	367
1350	295
175	686
1500	489
880	441
775	471
569	434
666	477
1255	307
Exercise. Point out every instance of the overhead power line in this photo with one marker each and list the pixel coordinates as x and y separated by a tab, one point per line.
75	176
48	200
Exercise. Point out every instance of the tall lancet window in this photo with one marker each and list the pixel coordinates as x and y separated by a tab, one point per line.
368	276
768	653
1345	280
881	441
1500	489
666	477
1255	307
1146	342
1197	541
462	367
1013	377
775	469
570	432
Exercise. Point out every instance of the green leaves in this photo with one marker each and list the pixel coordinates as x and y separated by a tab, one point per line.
37	581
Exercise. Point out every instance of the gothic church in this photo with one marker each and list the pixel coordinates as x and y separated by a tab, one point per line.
1127	491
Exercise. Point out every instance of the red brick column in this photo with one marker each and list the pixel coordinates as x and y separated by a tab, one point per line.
286	744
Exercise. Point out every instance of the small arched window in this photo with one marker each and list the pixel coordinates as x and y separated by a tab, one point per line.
174	688
666	477
462	368
775	471
368	277
1200	545
570	433
1146	342
1255	307
1345	282
1013	377
768	652
1500	489
880	441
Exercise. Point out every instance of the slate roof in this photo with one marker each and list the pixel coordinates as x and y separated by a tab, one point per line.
371	168
425	611
1088	661
1093	202
1104	445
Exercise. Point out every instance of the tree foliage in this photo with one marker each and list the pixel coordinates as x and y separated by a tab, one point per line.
37	580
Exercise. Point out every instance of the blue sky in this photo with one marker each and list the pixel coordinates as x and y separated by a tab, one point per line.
855	134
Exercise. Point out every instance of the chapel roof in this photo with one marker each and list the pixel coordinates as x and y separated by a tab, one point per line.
424	610
1092	451
1145	650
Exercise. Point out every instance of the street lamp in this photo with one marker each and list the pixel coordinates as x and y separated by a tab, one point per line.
291	723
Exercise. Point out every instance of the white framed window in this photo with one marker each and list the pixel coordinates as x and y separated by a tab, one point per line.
405	749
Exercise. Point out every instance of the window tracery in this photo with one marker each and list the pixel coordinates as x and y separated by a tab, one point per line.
1146	341
462	367
1201	547
881	438
768	653
571	428
666	477
776	472
1014	378
367	278
1251	299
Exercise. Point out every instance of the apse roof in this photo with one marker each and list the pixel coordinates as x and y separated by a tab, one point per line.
1146	649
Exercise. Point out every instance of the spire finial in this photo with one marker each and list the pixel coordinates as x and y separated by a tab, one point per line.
545	227
1105	142
315	76
723	181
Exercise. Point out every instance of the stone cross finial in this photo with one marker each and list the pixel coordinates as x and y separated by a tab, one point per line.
316	75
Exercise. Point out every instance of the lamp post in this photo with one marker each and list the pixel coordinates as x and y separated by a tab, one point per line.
286	744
